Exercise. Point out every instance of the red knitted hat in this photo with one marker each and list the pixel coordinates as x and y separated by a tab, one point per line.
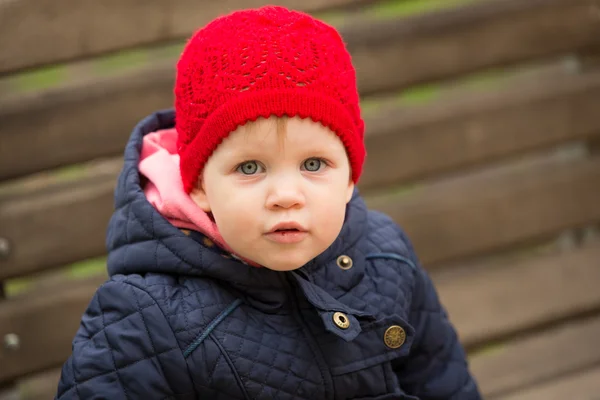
258	63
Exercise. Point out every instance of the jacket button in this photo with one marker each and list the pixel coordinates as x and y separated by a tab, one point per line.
341	320
394	337
344	262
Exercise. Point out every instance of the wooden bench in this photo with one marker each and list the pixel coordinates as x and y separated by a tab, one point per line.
482	137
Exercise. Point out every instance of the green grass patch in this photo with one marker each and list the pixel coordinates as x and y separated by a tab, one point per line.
488	350
401	8
78	270
405	189
120	61
487	80
426	93
16	286
40	79
394	8
335	17
170	51
421	94
69	172
86	268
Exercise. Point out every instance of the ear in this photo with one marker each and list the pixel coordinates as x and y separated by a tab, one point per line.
198	196
350	190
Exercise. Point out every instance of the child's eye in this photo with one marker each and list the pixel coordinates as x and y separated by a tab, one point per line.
313	164
248	168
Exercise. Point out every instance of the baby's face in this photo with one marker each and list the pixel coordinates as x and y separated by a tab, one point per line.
278	191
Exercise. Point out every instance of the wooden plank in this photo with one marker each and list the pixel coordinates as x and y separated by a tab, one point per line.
36	387
441	45
467	129
491	210
435	45
70	225
8	386
107	108
514	365
76	124
447	220
56	314
52	31
564	286
581	386
53	181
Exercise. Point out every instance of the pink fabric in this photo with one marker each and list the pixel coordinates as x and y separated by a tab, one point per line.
159	163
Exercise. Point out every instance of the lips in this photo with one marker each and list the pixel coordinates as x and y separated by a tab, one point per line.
287	233
287	226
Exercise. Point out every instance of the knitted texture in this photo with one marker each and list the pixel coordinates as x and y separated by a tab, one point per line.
258	63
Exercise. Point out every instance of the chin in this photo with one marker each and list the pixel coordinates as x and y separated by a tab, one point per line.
284	265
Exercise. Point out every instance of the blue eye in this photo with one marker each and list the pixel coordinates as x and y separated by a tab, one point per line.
248	168
313	164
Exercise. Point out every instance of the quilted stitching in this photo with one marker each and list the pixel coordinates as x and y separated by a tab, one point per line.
274	366
119	315
166	287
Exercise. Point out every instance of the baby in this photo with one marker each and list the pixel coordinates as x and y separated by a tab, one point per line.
243	262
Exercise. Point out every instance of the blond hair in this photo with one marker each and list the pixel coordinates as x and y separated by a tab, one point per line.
279	123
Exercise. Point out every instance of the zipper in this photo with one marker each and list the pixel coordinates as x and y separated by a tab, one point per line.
289	285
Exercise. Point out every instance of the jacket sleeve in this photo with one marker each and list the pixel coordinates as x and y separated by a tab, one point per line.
436	367
124	349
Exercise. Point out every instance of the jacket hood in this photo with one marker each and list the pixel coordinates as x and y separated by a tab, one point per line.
159	166
140	240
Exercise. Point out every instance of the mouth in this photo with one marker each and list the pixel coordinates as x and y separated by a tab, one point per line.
287	233
283	227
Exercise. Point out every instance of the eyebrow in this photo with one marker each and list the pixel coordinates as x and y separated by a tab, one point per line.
257	153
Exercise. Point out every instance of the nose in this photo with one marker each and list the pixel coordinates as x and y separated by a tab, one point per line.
285	193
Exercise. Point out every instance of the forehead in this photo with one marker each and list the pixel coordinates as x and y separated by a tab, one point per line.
294	133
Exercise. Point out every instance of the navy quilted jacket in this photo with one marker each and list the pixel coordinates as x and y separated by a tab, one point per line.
178	320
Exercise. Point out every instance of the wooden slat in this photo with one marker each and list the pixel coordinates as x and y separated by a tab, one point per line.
57	312
58	228
447	220
450	133
45	324
76	124
387	56
563	284
437	45
51	31
465	130
483	35
41	386
541	357
489	211
53	181
581	386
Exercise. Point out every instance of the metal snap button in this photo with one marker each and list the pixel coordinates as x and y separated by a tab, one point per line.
344	262
394	337
341	320
12	341
4	248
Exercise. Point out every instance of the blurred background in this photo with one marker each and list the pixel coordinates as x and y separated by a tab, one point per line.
483	140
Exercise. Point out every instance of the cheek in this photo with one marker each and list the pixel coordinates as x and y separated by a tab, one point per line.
330	217
234	218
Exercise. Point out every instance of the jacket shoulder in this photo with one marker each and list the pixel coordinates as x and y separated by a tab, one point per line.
188	303
122	334
386	236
